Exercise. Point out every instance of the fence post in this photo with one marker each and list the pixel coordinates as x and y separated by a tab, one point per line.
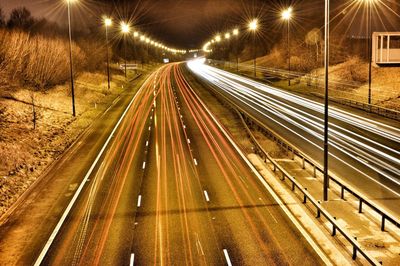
304	164
318	211
305	196
354	251
383	223
360	206
342	193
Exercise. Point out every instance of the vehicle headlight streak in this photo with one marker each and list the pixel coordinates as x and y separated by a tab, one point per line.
377	156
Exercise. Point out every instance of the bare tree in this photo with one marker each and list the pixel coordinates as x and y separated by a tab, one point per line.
314	38
20	18
2	18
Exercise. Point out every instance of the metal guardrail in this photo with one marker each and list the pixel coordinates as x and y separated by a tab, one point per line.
385	216
315	79
305	159
128	66
284	74
308	197
390	113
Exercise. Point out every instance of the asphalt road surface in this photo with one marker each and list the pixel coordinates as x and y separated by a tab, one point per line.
165	187
363	151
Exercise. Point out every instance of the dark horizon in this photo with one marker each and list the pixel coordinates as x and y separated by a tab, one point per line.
187	24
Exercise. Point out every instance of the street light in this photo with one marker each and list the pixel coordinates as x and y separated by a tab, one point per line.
147	48
235	32
253	25
369	11
125	28
227	37
108	23
287	15
70	56
326	103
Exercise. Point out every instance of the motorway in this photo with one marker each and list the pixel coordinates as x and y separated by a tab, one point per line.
165	187
364	152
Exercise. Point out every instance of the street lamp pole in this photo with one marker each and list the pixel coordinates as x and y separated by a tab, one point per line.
228	37
70	57
107	23
125	30
287	15
125	53
254	55
236	33
369	10
326	103
288	47
253	27
288	44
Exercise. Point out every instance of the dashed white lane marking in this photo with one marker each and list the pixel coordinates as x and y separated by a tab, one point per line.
132	260
195	161
139	201
228	260
184	126
80	188
147	143
206	195
144	165
188	140
149	128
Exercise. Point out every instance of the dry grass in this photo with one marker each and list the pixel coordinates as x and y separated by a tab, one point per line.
349	80
35	60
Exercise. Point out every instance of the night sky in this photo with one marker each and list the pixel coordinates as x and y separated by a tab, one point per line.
188	23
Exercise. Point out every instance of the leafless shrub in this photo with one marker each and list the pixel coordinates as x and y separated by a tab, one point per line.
95	53
36	60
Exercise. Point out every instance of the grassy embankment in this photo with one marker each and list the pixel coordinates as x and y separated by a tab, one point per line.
34	86
348	80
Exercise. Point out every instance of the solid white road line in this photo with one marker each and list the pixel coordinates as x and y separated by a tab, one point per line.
206	195
139	201
228	260
132	260
78	191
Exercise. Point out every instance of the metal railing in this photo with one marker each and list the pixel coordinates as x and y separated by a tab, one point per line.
386	112
385	216
308	197
344	187
315	80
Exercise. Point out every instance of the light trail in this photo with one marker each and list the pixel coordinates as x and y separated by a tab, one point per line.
373	144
